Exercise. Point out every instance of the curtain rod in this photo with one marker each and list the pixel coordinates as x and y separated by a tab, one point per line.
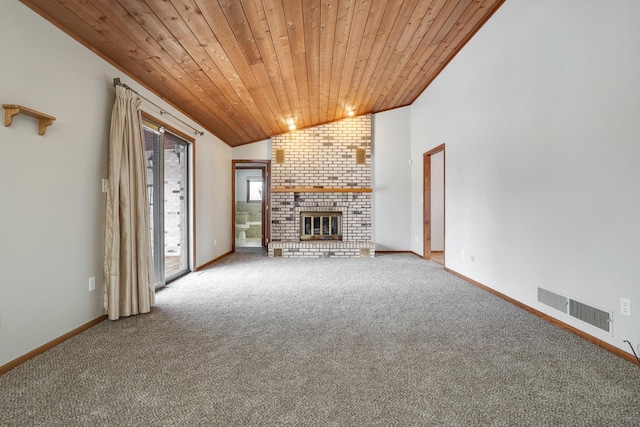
116	82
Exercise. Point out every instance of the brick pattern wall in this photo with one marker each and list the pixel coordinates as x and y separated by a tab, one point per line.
174	203
323	157
286	209
326	249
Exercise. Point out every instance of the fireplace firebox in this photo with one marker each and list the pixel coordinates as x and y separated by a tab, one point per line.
320	225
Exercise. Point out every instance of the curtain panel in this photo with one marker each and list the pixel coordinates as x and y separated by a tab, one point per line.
128	264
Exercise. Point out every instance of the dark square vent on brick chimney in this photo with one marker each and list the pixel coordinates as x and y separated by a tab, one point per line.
361	156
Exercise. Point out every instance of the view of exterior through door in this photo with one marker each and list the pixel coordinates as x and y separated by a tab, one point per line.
167	184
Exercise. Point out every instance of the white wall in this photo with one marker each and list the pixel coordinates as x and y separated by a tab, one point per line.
260	150
213	207
52	210
392	180
540	116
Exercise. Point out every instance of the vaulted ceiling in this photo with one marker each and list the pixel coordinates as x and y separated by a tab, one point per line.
244	69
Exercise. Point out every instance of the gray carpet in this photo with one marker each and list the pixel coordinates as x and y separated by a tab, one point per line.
391	340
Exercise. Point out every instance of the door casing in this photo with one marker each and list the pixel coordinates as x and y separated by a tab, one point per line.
426	192
265	166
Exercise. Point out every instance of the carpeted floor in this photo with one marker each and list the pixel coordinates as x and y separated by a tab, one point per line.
391	340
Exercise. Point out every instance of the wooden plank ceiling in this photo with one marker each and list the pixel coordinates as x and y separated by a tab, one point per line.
244	68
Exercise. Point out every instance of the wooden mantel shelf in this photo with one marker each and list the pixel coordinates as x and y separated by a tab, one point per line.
12	110
319	190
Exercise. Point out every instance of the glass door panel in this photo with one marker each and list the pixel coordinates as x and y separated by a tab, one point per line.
153	155
176	227
167	184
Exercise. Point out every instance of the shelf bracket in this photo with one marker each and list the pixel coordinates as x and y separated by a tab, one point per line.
44	120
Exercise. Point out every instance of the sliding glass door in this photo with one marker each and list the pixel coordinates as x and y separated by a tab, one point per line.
167	182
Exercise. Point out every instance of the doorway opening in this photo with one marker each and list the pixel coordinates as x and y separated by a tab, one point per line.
434	204
168	153
251	201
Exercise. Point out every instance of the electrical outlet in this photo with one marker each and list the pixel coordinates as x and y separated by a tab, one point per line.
473	258
92	284
462	254
105	185
215	242
625	306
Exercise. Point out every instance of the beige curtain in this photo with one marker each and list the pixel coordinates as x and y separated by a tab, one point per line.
128	264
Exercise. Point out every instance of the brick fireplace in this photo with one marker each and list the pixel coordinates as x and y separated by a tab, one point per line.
324	173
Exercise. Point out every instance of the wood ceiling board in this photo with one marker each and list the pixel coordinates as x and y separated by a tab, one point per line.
386	38
276	22
405	28
157	80
196	21
156	58
296	37
268	72
312	25
106	25
346	9
328	23
148	32
245	84
252	66
359	23
235	14
437	32
370	50
241	68
418	43
200	83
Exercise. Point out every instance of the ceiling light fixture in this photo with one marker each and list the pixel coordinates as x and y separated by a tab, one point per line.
291	123
350	113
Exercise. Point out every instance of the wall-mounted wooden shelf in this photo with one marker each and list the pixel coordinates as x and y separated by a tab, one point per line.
319	190
12	110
